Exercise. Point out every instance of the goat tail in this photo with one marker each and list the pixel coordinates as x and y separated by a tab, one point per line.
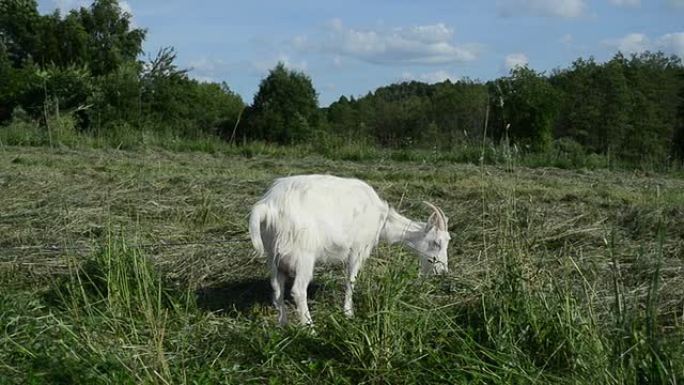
257	216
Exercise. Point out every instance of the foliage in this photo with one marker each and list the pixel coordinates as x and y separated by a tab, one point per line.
188	107
99	36
18	21
679	128
285	108
528	103
111	40
625	107
86	63
18	86
413	114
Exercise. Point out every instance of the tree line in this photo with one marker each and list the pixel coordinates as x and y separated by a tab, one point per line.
87	63
630	107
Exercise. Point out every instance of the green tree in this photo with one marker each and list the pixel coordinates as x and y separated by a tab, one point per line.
285	108
111	41
616	106
678	142
626	107
116	99
57	61
99	36
654	86
163	94
18	21
63	41
8	98
19	86
218	108
582	103
343	118
163	98
459	110
527	101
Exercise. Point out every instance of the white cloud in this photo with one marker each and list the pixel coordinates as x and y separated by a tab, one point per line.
566	39
205	69
126	7
426	44
631	43
206	65
515	60
556	8
429	77
435	33
264	65
670	43
67	5
205	79
676	3
335	24
626	3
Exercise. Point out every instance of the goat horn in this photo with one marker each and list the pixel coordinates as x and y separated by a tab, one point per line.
431	216
441	219
442	213
444	218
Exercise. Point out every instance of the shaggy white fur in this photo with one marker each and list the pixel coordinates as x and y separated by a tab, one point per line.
305	219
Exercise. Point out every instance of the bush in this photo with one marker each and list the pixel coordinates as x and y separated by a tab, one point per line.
25	131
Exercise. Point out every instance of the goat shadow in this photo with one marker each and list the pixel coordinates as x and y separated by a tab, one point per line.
242	295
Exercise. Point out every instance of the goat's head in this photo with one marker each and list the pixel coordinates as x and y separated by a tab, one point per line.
433	245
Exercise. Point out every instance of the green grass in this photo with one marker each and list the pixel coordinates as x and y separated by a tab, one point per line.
565	154
557	276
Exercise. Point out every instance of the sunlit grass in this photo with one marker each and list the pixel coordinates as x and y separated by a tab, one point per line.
556	276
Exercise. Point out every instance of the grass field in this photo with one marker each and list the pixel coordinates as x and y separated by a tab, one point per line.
133	267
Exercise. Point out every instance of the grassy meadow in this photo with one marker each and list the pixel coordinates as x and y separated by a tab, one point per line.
133	266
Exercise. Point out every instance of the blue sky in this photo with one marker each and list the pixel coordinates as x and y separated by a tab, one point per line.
355	46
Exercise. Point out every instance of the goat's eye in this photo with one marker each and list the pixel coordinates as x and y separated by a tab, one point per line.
437	244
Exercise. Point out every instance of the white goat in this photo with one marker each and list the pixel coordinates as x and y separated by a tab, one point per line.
309	218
